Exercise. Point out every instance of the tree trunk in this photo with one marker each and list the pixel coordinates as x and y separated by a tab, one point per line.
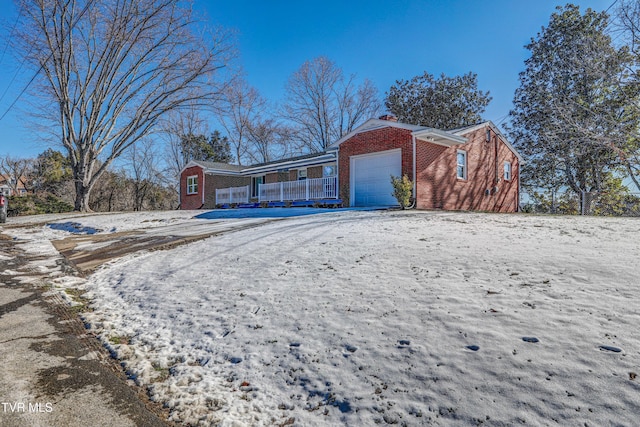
82	198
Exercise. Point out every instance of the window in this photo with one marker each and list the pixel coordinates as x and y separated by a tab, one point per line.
329	170
507	171
302	174
192	184
256	181
462	164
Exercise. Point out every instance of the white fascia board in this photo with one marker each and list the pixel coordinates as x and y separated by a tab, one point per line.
189	165
439	137
213	171
325	158
373	124
495	129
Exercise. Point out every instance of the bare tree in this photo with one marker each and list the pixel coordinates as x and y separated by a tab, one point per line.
111	69
16	171
141	159
243	106
175	126
269	140
324	105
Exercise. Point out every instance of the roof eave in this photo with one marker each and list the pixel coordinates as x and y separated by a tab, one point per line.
324	158
497	131
439	137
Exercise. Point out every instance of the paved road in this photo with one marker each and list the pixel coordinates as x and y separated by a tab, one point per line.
53	373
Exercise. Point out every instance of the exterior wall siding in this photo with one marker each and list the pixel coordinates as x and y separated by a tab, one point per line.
191	201
370	142
214	182
270	178
437	185
485	188
314	172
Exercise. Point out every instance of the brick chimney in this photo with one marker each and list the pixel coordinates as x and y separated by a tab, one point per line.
388	117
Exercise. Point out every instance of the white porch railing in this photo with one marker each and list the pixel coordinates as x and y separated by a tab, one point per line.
232	195
308	189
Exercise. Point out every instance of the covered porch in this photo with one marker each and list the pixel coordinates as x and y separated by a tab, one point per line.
306	192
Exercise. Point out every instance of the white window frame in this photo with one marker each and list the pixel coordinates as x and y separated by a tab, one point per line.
459	165
507	171
302	174
324	170
192	184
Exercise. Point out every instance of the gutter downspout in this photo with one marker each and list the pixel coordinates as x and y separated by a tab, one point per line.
415	183
203	187
338	195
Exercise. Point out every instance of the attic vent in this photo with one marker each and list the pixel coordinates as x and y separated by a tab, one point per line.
488	138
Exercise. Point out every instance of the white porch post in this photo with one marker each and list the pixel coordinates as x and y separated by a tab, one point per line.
281	191
307	188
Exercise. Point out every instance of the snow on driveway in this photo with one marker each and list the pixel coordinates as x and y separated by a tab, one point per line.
363	318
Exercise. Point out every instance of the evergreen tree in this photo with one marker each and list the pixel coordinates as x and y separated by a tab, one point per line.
570	115
216	148
444	103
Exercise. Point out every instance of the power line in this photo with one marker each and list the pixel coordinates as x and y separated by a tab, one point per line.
15	75
73	24
13	29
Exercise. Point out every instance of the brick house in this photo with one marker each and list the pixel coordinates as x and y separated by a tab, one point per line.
473	168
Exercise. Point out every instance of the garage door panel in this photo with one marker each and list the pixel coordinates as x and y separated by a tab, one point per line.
371	178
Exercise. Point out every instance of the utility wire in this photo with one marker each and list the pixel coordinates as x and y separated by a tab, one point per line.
73	24
13	29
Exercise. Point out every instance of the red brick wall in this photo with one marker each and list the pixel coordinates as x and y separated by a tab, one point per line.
191	201
370	142
270	178
437	184
213	182
439	188
314	172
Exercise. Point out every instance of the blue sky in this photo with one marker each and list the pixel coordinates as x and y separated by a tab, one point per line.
380	40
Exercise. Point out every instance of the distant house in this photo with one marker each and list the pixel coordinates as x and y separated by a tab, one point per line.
7	186
473	168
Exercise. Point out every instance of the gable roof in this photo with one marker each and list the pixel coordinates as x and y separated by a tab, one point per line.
291	162
494	128
215	167
436	136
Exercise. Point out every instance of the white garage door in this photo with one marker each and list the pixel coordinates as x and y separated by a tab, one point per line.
370	178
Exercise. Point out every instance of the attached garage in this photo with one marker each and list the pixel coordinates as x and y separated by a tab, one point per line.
370	180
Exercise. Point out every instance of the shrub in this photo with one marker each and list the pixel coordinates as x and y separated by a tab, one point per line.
31	204
402	189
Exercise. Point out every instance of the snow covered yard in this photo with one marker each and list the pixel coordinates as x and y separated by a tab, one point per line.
363	318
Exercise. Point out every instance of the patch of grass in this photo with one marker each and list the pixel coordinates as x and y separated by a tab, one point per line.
162	373
79	309
82	303
120	339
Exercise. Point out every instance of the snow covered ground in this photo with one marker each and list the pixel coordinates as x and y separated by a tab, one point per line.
364	318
